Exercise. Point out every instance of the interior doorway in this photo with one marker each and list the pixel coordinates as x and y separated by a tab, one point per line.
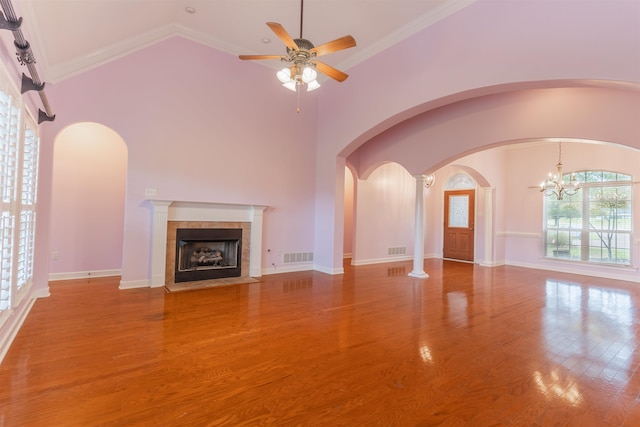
459	219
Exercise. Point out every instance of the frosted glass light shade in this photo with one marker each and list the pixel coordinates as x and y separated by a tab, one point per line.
291	85
309	75
284	75
312	85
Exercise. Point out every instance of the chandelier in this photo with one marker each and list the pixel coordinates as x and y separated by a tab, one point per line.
555	184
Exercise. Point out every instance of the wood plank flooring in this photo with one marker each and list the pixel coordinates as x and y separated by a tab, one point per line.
470	346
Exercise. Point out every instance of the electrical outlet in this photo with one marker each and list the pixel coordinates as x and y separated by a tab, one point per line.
55	255
150	192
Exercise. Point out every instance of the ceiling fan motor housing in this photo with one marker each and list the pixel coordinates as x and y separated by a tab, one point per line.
303	44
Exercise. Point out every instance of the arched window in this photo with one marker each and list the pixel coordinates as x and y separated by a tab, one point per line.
595	224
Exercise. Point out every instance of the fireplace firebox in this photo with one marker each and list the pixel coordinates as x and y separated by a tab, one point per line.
207	253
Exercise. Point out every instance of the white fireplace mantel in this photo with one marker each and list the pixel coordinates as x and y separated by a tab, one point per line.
164	211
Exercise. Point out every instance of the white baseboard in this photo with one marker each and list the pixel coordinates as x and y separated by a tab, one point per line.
41	293
133	284
491	264
331	271
83	275
380	260
15	321
287	269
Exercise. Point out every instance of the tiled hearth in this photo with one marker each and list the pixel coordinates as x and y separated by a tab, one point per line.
170	215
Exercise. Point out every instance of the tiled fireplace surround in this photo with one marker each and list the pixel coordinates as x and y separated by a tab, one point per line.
170	215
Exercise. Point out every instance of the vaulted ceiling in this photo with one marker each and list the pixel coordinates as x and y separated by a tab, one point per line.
70	36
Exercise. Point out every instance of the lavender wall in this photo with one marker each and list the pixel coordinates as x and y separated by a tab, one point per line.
385	215
491	74
199	125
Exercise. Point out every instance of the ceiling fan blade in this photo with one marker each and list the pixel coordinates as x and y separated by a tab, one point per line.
254	57
335	45
283	35
334	73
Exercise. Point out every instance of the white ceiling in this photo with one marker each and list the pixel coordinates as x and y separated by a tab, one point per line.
71	36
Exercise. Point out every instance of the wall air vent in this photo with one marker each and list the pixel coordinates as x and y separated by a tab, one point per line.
400	250
295	257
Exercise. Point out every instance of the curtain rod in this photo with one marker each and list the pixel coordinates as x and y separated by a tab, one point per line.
9	21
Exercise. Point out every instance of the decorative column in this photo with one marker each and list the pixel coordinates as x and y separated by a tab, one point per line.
418	238
488	227
159	242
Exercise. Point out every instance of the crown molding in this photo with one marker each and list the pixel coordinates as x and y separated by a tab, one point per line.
125	47
444	10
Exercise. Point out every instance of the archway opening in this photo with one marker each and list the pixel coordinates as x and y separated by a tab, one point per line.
88	198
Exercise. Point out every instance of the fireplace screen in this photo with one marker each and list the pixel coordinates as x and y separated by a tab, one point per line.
203	254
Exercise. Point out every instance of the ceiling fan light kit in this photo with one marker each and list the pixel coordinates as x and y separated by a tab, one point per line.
302	54
292	79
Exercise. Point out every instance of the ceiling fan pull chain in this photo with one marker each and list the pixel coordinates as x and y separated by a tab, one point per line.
298	92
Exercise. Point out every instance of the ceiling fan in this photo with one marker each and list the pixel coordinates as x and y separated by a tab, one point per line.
301	55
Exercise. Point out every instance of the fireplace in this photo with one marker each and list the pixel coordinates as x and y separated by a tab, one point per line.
201	240
207	253
168	216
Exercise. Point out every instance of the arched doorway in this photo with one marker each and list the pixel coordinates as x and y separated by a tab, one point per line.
88	196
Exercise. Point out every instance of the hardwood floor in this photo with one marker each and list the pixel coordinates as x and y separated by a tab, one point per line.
470	346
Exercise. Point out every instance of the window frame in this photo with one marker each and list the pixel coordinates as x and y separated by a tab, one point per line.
581	204
18	199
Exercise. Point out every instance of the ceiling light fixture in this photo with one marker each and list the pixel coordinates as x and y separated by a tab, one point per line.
297	75
429	180
302	70
302	57
556	185
190	9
